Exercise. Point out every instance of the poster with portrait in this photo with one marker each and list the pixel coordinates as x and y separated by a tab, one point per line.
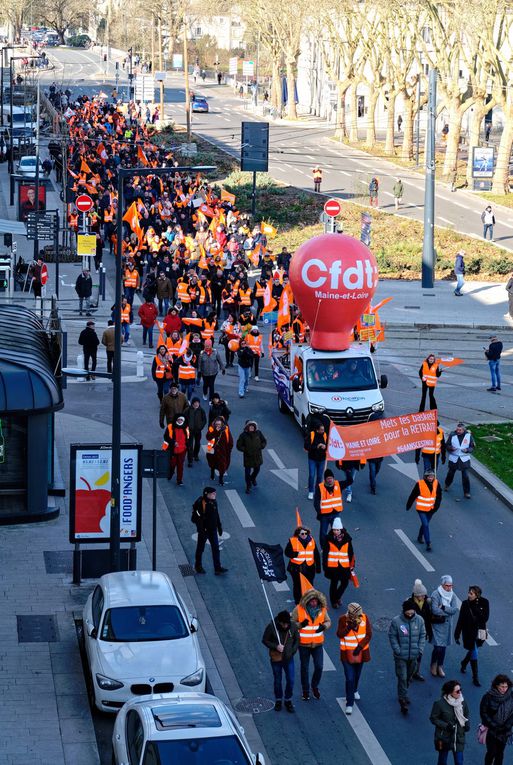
483	161
27	199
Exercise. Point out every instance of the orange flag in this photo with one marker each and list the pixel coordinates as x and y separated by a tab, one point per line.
100	150
227	197
132	218
306	584
299	522
141	156
268	230
449	361
269	301
255	255
284	309
84	168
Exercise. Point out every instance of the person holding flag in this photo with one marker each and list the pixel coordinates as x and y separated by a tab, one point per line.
281	637
311	617
355	633
427	495
304	557
431	455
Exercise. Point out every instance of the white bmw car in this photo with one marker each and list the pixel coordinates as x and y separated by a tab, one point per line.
140	639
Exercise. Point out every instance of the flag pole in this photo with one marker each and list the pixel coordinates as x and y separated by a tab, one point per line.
270	610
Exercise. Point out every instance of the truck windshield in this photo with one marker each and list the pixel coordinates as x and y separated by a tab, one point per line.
339	375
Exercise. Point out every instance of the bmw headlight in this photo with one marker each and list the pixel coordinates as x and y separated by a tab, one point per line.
195	679
378	407
108	684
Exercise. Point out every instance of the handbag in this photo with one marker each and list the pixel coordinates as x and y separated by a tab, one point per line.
482	730
437	618
441	745
482	634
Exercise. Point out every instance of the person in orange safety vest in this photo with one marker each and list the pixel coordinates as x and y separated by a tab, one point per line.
304	559
328	501
427	495
311	616
176	438
337	561
354	631
429	373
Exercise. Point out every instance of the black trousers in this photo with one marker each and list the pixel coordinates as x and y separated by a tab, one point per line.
449	478
338	585
214	544
209	385
89	356
110	360
193	446
432	400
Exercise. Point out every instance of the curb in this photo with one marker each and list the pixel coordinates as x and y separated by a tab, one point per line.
490	480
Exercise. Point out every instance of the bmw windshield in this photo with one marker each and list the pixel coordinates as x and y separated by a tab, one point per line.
340	375
226	750
131	624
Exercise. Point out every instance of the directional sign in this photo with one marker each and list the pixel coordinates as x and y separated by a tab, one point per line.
145	88
248	68
332	208
86	244
84	203
41	225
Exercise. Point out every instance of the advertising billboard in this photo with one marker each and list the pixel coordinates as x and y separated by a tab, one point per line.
483	161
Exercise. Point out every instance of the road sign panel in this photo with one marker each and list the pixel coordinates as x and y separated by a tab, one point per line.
83	203
332	208
41	225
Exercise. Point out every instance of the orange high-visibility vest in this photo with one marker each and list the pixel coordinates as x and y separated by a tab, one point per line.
429	374
426	499
125	314
338	557
186	372
191	321
183	292
438	448
245	297
204	295
108	215
308	633
176	348
317	174
259	290
255	343
161	367
207	333
165	445
73	221
131	278
303	554
331	503
354	637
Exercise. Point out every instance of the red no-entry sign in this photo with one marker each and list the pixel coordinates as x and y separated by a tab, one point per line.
44	274
332	208
84	203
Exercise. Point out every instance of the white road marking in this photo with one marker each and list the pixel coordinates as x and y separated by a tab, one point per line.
281	587
327	665
489	639
445	220
277	461
309	156
411	547
239	508
344	172
409	469
288	475
365	736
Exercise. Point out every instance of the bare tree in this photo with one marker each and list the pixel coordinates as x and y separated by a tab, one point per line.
62	15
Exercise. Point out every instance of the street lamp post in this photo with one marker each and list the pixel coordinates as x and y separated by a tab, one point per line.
123	174
5	47
11	103
428	245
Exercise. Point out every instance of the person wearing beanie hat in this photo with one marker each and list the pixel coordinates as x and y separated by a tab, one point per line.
407	636
328	502
205	516
197	419
281	637
89	341
209	364
304	559
355	633
443	607
427	495
422	606
338	560
251	443
218	408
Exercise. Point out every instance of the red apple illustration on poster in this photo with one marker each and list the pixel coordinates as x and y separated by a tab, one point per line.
91	508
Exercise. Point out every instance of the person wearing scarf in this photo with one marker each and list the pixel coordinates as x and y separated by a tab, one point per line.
443	608
450	717
496	710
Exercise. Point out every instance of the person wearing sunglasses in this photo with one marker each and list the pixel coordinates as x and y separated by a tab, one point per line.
450	716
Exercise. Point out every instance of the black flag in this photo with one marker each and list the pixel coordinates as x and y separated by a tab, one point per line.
269	561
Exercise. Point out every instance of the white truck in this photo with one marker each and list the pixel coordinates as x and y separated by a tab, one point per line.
341	385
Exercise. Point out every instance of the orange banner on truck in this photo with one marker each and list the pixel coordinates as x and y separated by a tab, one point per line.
380	438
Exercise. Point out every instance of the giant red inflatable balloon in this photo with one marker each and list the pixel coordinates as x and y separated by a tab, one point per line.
333	277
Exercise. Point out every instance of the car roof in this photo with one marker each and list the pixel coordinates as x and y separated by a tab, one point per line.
166	716
150	588
199	98
28	160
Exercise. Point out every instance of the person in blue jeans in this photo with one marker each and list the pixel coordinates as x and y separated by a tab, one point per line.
245	358
281	637
493	354
312	619
315	444
427	495
450	716
459	270
355	632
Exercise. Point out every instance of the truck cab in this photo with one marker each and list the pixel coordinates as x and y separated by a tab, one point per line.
341	385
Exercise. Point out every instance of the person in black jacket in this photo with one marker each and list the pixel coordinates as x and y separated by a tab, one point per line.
218	408
281	637
205	516
245	358
197	419
422	606
337	561
471	626
496	710
84	290
89	341
315	443
304	559
426	505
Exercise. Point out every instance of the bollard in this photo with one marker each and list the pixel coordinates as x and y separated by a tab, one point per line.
103	279
80	365
140	364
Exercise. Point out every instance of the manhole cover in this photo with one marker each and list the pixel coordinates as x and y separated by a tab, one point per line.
254	706
382	624
37	629
58	562
186	569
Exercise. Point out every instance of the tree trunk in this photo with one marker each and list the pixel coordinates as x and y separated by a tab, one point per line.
453	138
340	129
276	85
390	135
353	127
501	175
407	147
478	115
370	139
291	91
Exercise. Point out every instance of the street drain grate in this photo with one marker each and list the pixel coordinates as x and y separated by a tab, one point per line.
58	561
37	629
186	569
382	624
254	706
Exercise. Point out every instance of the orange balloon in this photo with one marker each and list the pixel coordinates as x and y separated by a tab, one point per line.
233	345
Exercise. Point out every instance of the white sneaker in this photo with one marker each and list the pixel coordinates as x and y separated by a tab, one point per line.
310	495
349	498
205	397
349	710
257	379
356	696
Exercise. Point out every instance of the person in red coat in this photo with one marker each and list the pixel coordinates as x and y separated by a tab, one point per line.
172	322
148	315
219	448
